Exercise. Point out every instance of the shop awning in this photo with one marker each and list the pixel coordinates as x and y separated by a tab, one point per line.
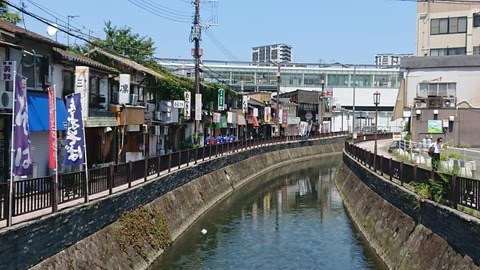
222	123
254	121
400	102
38	113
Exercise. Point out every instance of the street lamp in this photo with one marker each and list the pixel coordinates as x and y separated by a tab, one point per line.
376	101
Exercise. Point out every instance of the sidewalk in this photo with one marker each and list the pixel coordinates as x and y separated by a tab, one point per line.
382	147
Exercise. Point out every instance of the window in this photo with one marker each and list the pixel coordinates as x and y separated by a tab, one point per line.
476	20
437	90
448	51
68	82
94	92
448	26
35	69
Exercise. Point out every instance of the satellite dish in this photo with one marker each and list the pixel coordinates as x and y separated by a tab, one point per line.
52	29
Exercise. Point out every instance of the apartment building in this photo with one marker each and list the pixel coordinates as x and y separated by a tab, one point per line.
272	53
448	28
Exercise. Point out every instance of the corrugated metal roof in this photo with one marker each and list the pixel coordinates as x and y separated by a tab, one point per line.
127	62
84	60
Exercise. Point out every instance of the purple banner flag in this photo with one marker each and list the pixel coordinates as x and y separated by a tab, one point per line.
74	146
22	156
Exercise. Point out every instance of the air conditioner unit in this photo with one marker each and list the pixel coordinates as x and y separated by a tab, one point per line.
134	99
435	102
6	100
159	115
420	104
448	102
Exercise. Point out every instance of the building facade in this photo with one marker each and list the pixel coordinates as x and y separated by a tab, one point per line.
351	86
448	28
276	53
441	98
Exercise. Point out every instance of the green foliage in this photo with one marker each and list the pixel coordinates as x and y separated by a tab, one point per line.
7	15
140	228
433	189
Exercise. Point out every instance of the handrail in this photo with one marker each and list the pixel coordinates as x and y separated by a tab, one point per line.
460	190
31	195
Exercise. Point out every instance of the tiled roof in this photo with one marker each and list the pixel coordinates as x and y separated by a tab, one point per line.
21	32
84	60
127	62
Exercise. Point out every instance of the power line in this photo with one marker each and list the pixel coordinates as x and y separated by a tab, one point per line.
155	10
220	46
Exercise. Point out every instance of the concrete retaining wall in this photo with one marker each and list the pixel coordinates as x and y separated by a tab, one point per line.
83	237
406	232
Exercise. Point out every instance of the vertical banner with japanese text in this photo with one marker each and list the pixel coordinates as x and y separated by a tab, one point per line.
245	104
52	112
8	68
188	104
75	142
198	107
22	156
82	85
221	99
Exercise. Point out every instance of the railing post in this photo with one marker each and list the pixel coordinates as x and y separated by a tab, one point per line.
203	151
390	171
210	155
188	157
415	173
159	158
110	179
455	191
6	205
401	173
196	155
84	184
54	191
145	170
130	174
169	162
381	165
179	159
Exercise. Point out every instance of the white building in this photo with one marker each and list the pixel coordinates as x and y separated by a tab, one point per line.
389	59
442	91
276	53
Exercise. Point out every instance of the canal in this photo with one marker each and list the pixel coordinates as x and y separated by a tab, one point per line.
290	218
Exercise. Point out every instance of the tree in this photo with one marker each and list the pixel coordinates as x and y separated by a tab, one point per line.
123	42
6	15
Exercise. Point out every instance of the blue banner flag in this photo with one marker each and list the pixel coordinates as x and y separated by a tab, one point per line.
75	142
22	156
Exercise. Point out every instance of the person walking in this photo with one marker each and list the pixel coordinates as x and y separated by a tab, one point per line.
434	152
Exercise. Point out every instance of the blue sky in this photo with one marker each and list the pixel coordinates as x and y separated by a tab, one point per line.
347	31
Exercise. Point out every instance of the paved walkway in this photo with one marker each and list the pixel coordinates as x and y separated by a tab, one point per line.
382	147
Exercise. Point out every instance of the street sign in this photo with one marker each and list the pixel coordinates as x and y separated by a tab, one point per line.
221	99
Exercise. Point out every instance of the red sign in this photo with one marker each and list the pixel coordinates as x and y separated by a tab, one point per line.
53	128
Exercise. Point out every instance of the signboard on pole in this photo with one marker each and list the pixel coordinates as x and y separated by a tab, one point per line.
179	104
245	104
7	70
187	105
221	99
124	89
198	107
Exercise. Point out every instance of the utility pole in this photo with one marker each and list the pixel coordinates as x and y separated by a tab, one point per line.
197	53
277	113
68	27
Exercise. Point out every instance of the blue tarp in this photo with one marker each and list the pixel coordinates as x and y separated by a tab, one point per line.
38	112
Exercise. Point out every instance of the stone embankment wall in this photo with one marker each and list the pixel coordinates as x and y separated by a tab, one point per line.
85	237
405	231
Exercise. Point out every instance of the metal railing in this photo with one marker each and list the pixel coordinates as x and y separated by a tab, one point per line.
460	191
35	194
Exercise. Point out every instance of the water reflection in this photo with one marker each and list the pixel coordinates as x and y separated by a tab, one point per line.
290	218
